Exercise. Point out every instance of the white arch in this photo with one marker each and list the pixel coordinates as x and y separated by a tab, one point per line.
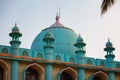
36	67
71	71
102	74
4	65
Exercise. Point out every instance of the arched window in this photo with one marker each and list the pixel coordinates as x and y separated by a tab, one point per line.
31	74
118	65
89	61
1	73
58	57
72	59
25	53
4	50
102	63
39	55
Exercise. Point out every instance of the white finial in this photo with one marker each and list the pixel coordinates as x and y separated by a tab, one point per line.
59	11
15	23
58	15
108	39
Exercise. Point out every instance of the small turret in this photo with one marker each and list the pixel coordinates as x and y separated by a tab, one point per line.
48	47
109	56
109	49
15	43
80	52
80	45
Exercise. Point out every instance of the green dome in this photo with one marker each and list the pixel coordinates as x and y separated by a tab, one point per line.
79	39
48	36
109	44
15	28
64	39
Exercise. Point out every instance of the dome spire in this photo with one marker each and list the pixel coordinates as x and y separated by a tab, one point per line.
15	23
108	39
58	15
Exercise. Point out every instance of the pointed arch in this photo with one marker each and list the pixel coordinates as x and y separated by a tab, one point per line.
4	67
72	59
37	68
89	61
58	57
69	71
101	75
4	50
102	63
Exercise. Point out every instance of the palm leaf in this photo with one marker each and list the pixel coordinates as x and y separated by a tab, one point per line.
105	5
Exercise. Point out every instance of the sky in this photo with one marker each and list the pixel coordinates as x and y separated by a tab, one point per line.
83	16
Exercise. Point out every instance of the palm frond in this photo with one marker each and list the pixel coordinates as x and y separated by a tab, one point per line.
105	5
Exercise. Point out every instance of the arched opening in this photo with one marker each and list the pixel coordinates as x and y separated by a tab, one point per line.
1	73
58	57
102	63
72	59
3	70
89	61
100	76
4	50
39	55
68	74
25	53
31	74
34	72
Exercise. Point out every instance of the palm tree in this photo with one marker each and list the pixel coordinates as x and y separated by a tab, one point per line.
105	5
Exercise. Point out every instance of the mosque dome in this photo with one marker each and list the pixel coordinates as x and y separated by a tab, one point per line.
64	38
15	28
109	44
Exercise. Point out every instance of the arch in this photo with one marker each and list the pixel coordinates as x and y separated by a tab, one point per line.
4	68
89	61
37	69
71	73
100	76
4	50
39	55
102	63
72	59
58	57
118	65
25	53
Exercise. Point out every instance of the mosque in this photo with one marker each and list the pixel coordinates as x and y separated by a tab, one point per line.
57	53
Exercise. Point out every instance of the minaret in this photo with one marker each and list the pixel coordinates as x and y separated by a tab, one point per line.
48	48
110	59
15	43
109	56
80	53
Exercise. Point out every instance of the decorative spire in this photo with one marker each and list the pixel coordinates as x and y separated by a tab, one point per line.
108	39
58	15
79	35
15	23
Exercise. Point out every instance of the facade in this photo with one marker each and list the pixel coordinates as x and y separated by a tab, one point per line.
57	53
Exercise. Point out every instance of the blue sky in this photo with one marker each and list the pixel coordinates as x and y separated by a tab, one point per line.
83	16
